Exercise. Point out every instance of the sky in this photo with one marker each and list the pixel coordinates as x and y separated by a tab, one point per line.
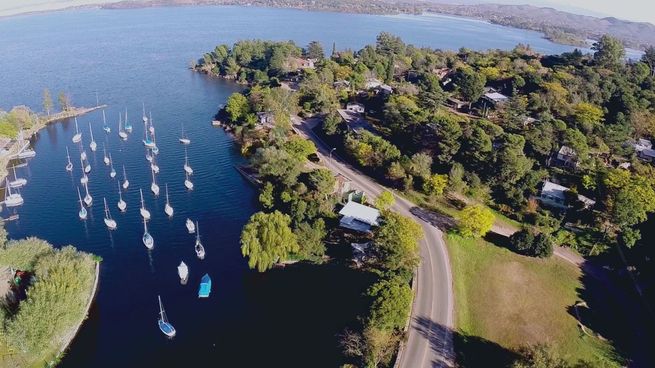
636	10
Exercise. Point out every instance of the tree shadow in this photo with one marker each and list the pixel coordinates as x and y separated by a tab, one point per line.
467	350
442	222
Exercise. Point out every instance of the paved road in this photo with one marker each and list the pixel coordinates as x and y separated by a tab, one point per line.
429	342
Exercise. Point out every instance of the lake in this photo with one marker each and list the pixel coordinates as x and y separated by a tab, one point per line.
288	317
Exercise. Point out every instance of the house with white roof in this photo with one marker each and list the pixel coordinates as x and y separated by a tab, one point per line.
644	150
355	107
358	217
554	195
494	98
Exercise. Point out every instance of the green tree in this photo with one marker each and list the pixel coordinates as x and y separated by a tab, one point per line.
315	50
530	243
331	123
266	197
397	244
448	133
267	239
299	148
475	221
385	200
649	59
587	116
311	238
391	301
64	101
540	356
278	164
435	184
322	181
470	84
609	52
237	107
47	101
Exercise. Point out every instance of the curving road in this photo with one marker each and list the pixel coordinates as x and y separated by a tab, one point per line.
429	340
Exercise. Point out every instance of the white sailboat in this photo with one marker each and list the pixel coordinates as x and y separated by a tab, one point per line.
87	167
154	187
190	226
144	212
17	182
168	209
148	156
147	141
83	155
93	145
200	250
84	179
12	199
128	126
187	168
78	136
148	241
110	222
183	272
112	172
184	139
145	119
187	183
82	212
165	327
121	203
151	129
69	165
88	200
105	159
105	127
153	166
126	183
121	132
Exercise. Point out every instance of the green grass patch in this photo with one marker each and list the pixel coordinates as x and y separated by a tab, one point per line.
514	301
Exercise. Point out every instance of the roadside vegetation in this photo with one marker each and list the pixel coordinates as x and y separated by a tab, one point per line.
40	310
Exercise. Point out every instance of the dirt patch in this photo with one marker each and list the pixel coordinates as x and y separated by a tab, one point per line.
5	282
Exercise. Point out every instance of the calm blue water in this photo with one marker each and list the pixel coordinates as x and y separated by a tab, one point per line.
284	317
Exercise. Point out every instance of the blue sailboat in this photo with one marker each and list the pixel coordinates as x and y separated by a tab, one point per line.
128	125
205	287
105	127
164	326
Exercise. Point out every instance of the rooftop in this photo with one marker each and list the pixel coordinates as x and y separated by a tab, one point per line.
358	217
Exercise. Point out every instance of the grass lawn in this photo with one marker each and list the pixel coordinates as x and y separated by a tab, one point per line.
514	301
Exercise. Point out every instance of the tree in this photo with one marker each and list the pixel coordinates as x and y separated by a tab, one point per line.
311	244
278	164
529	243
420	165
299	148
266	196
470	84
237	107
322	181
448	132
609	52
385	201
47	101
64	101
267	239
435	184
391	301
315	51
587	116
331	123
649	58
539	356
475	221
397	244
511	163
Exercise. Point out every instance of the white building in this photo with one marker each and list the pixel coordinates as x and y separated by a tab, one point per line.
554	195
355	107
358	217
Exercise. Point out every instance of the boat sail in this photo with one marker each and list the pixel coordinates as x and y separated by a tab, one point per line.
187	168
200	250
88	200
168	209
93	145
187	183
205	287
190	226
154	187
105	158
78	136
148	241
12	199
105	127
184	139
163	323
128	126
17	182
144	212
126	183
69	165
112	172
121	203
121	132
110	222
183	272
82	212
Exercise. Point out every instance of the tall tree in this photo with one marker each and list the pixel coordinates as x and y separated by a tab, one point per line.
475	221
649	58
609	52
267	239
315	51
470	84
397	243
64	101
47	101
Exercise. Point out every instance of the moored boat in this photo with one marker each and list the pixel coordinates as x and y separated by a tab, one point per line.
12	199
82	213
200	250
110	222
205	287
168	209
77	137
165	327
69	165
121	203
147	239
93	145
183	272
144	212
190	226
126	183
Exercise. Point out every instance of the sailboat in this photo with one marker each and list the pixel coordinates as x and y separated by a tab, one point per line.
183	272
187	183
83	155
144	212
148	241
126	183
87	167
105	127
105	159
93	145
187	168
145	119
12	199
128	126
164	326
121	203
190	226
154	187
110	222
69	165
184	139
168	209
153	166
84	179
121	132
17	182
82	213
88	200
112	172
205	287
151	129
148	156
200	250
78	136
147	141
